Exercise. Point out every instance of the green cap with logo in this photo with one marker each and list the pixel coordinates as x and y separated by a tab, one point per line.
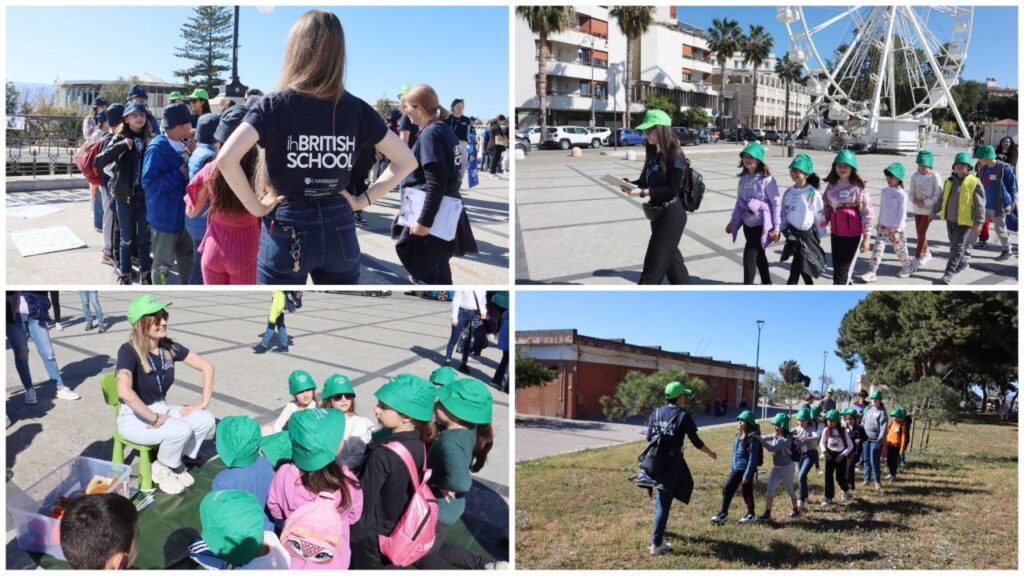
316	434
803	163
144	306
232	523
847	157
337	384
654	118
199	93
676	389
300	381
468	400
985	152
781	420
754	150
238	441
925	158
277	448
410	395
443	376
963	158
895	170
746	416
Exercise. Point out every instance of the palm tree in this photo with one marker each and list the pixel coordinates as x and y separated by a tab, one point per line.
724	39
757	47
543	21
790	371
789	71
633	22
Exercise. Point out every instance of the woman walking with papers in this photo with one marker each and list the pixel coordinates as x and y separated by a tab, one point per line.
432	225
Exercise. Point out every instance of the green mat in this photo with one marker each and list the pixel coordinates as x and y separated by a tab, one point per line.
171	523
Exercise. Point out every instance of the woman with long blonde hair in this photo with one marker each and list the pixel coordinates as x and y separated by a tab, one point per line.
310	131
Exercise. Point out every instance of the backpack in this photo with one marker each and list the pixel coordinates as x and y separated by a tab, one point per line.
413	535
692	193
794	449
83	160
312	534
760	450
656	456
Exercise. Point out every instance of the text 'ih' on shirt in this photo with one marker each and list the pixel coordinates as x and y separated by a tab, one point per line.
306	156
150	387
405	123
437	145
460	126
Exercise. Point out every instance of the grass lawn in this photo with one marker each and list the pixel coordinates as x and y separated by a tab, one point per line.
953	508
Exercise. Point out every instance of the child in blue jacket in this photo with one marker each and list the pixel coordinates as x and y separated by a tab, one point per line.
164	177
745	453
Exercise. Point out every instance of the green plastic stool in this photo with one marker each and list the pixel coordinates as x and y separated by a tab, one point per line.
108	382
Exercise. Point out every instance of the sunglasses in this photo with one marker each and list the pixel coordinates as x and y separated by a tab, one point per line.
161	315
345	396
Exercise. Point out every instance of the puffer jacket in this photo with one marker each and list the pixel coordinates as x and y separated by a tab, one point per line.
126	183
744	455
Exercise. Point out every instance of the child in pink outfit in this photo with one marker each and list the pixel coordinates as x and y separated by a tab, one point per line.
232	242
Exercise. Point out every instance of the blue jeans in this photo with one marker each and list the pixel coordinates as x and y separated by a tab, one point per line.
663	499
40	335
872	460
282	333
465	317
93	297
131	219
807	461
97	210
319	234
197	264
18	339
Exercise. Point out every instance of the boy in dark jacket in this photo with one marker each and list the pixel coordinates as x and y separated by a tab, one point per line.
164	177
858	436
745	460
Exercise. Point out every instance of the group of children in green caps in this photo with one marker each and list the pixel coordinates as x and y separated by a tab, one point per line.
803	213
843	437
333	490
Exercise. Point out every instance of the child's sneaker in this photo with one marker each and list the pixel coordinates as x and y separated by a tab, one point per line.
103	327
925	258
794	513
260	348
90	326
31	397
497	565
906	271
65	393
844	496
664	548
166	479
868	277
1004	256
826	503
58	326
890	477
947	278
719	518
980	245
766	517
748	518
801	505
964	265
878	485
281	349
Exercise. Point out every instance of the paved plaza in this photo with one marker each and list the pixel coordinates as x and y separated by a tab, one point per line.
486	204
572	228
366	338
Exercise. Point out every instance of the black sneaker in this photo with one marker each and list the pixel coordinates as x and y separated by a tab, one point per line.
748	518
464	368
281	349
146	278
719	518
980	245
260	348
124	279
793	514
766	517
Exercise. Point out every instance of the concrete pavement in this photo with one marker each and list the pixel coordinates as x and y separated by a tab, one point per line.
571	228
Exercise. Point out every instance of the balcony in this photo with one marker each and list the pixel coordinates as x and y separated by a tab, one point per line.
698	64
577	69
565	100
579	38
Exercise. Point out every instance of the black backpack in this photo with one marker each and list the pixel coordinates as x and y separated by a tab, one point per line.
692	193
657	455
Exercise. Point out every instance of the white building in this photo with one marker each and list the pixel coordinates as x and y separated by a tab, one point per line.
771	95
82	93
675	62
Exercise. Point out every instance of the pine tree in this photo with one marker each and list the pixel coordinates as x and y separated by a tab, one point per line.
207	36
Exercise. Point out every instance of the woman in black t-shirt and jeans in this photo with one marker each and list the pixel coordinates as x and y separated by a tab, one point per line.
145	371
310	131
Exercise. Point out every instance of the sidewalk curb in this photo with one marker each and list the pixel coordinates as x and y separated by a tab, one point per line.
46	184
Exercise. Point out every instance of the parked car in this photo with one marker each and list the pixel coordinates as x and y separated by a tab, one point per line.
728	135
772	136
625	137
565	137
758	133
532	134
522	143
686	136
707	136
601	132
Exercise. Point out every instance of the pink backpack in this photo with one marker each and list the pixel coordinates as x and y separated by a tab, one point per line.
312	534
413	535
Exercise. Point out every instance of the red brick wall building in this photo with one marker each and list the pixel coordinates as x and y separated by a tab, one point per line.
589	368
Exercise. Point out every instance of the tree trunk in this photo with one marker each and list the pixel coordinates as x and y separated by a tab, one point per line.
542	87
984	399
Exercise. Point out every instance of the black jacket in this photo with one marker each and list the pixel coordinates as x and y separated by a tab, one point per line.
386	485
126	184
676	478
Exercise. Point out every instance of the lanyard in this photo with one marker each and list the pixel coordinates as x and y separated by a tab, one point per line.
159	371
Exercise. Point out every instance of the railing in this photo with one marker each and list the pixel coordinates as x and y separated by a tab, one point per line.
42	144
577	94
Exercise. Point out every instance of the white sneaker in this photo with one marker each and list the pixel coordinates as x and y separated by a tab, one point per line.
844	496
826	503
31	397
166	479
800	505
925	258
906	271
659	550
498	565
868	277
58	326
65	393
184	477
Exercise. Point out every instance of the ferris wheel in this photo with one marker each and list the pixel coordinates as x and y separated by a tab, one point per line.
868	65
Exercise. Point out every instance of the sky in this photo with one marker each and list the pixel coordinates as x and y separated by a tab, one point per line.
991	52
798	325
461	51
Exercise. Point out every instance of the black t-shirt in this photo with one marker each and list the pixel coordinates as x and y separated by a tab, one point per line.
150	387
306	156
405	123
663	187
460	126
437	145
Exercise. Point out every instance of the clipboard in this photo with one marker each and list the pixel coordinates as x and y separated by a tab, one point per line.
445	222
617	182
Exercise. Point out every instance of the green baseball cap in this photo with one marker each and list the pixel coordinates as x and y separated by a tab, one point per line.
500	299
410	395
300	381
963	158
654	118
676	389
746	416
803	163
895	170
781	420
316	434
846	157
403	89
803	414
754	150
200	93
925	158
238	441
337	384
832	415
174	95
443	376
468	400
876	395
277	448
232	525
143	306
985	152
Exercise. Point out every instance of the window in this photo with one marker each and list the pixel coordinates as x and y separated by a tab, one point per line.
585	87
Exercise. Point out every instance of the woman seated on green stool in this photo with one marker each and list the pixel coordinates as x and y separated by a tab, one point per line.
145	371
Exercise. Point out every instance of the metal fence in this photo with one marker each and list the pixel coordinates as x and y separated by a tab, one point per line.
43	145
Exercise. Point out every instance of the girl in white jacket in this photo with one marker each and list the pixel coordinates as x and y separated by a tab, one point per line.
892	219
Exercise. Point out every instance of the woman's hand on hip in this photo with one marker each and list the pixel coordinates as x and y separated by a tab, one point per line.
353	202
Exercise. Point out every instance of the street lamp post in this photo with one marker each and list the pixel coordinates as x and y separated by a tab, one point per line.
235	89
757	370
824	358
